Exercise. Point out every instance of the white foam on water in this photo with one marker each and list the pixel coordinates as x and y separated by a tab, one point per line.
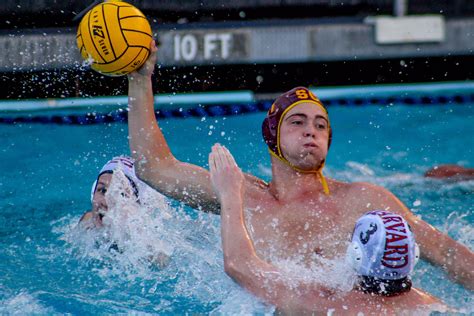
358	172
127	247
332	274
241	302
131	238
155	242
362	168
447	187
456	224
23	303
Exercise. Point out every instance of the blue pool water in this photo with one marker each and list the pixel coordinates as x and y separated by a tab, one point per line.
46	172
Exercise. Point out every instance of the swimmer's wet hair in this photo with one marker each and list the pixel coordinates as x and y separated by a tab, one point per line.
374	285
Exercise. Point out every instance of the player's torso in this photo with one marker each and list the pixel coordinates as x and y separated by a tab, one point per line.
302	230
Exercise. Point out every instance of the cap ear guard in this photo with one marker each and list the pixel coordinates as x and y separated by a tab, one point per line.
354	255
417	254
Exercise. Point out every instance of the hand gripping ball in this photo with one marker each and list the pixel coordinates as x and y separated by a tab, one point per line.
115	38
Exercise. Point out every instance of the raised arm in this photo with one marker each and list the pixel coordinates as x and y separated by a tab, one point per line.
290	294
241	261
438	248
155	164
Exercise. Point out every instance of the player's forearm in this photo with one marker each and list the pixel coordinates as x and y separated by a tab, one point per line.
257	276
147	142
452	256
241	262
236	242
459	263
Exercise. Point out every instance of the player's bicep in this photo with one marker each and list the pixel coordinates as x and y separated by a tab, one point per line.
193	186
184	182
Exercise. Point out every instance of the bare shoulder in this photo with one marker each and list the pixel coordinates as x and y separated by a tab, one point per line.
255	187
371	190
357	189
369	196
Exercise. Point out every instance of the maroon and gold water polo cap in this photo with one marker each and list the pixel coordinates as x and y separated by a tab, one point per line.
284	103
272	122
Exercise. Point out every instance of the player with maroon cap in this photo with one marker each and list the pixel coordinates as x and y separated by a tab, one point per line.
272	124
297	216
382	253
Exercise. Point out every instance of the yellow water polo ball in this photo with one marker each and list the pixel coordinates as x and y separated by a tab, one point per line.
114	37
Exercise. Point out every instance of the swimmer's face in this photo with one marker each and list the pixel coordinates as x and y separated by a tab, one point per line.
98	201
304	135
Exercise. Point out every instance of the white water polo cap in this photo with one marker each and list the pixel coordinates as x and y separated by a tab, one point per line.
123	163
383	246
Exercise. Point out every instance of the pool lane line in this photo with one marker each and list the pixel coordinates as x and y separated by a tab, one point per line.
218	110
170	100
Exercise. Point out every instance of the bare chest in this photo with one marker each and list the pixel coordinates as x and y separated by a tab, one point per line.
300	231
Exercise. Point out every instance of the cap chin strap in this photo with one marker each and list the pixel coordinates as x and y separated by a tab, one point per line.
318	172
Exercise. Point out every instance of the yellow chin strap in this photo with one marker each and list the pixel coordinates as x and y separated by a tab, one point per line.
318	172
280	156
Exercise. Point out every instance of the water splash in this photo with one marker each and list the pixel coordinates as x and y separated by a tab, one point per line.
120	253
23	303
457	225
154	246
335	274
87	62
